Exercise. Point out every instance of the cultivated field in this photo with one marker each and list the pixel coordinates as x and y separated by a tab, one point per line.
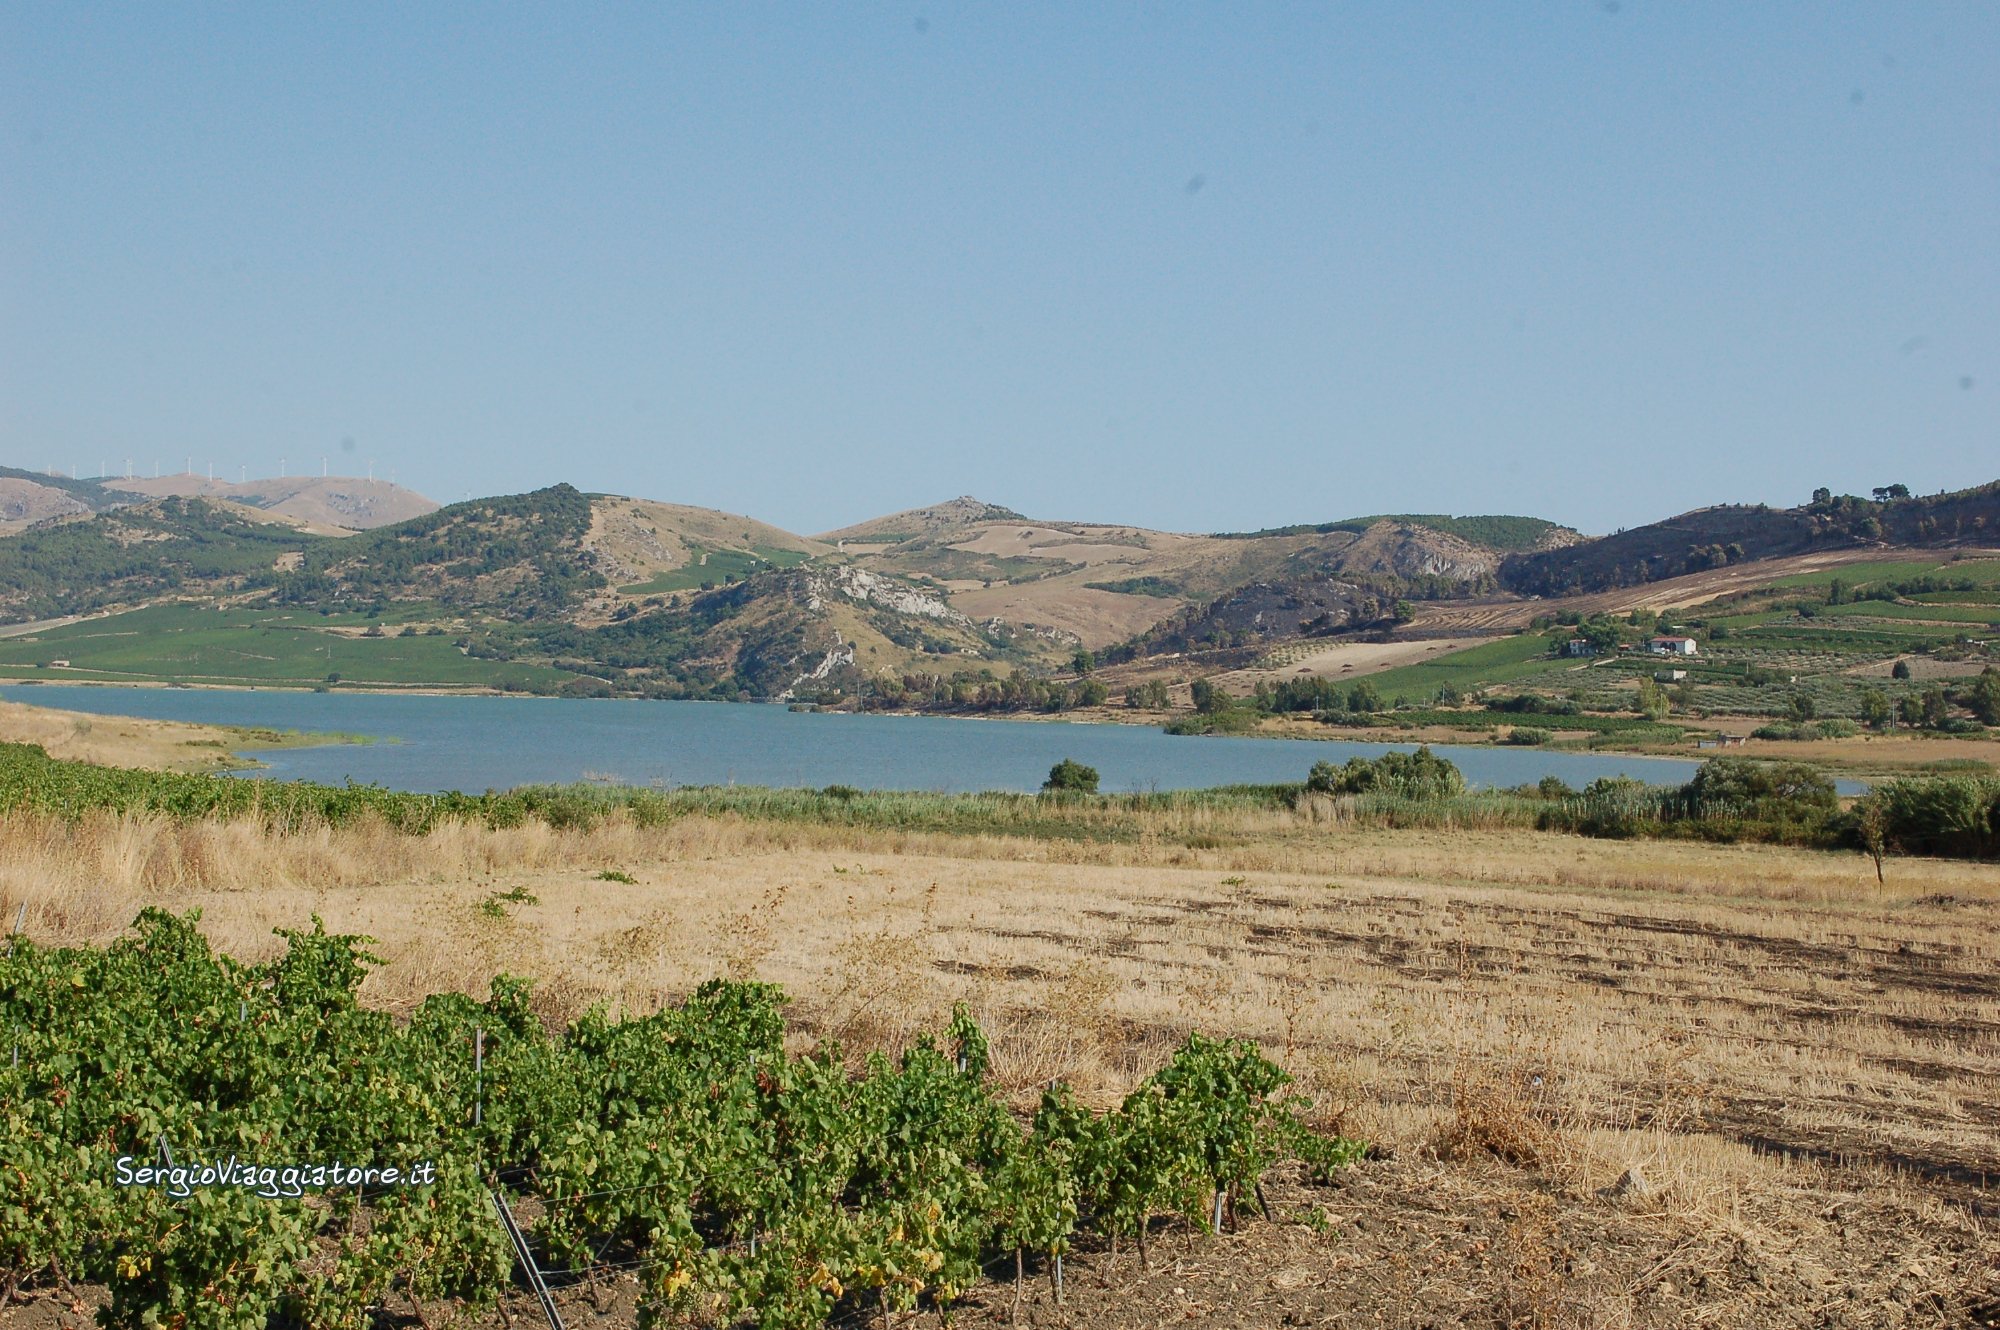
1799	1067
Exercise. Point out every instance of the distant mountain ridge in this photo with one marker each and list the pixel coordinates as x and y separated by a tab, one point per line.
329	503
337	501
639	596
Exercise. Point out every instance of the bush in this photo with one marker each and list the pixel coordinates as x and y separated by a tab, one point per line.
1772	791
1534	705
1070	777
1952	815
1527	736
1418	775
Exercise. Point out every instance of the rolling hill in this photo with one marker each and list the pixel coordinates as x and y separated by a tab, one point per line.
327	505
319	501
963	604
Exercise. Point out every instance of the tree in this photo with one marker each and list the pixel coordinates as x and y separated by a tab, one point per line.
1900	670
1070	777
1803	707
1934	709
1083	662
1875	710
1652	702
1983	697
1822	497
1601	633
1741	785
1208	699
1362	699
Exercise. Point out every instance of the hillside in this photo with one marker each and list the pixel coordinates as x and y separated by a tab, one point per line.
812	632
913	523
1494	531
519	557
137	553
1729	534
28	497
321	501
514	591
954	608
24	503
645	547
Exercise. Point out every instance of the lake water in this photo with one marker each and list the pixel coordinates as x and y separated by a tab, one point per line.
480	743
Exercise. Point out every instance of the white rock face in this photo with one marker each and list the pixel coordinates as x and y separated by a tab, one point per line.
842	654
860	584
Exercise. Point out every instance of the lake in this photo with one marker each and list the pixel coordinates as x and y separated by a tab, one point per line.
479	743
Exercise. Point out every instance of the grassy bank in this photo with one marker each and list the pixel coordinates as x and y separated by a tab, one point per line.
161	745
1729	800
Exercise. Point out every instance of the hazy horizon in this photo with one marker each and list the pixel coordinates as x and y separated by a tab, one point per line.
1187	269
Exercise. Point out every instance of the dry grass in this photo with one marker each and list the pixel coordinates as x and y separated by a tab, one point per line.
121	741
1760	1032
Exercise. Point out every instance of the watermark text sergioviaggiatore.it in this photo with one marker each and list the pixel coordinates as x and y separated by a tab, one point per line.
270	1180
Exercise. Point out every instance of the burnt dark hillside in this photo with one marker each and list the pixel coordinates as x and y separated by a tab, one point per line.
1737	533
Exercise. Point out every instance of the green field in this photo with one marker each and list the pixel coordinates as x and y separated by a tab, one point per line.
720	567
1884	609
1986	572
1492	662
193	644
1983	596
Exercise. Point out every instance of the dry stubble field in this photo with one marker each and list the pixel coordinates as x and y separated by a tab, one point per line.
1801	1068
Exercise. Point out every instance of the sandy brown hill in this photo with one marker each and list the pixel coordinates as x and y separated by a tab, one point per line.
24	503
1096	585
346	502
1402	550
637	539
952	515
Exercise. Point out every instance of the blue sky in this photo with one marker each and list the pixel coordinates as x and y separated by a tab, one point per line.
1199	267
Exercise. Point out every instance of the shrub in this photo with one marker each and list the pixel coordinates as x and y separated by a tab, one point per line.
1527	736
1418	775
1790	797
1071	777
1954	815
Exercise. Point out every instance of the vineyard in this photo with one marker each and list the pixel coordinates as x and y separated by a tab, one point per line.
740	1183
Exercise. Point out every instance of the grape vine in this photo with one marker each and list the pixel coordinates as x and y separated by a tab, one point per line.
740	1182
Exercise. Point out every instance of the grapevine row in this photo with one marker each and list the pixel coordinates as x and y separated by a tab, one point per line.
742	1183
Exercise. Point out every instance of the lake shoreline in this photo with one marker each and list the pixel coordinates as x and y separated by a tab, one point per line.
1863	759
